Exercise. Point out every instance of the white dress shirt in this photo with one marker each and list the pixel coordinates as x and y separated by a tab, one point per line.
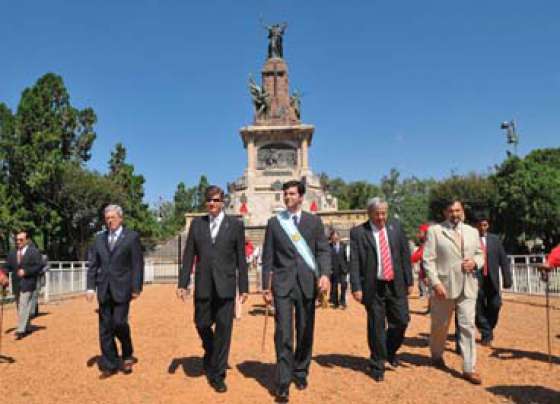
375	231
215	223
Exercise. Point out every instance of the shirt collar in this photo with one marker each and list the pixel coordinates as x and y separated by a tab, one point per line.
374	227
117	232
218	218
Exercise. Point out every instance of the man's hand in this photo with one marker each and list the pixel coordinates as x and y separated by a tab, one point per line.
135	295
324	284
183	294
468	265
357	296
410	290
90	296
243	297
20	272
267	296
440	292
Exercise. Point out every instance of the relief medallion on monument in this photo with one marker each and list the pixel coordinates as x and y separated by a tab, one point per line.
276	155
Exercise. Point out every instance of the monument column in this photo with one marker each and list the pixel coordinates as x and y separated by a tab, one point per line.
251	166
304	161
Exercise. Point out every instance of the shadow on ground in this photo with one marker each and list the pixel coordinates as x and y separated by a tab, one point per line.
526	394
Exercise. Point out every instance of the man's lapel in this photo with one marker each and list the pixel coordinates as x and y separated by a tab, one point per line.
369	235
206	228
450	234
224	227
304	227
119	241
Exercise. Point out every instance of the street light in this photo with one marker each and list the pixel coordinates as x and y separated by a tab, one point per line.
511	134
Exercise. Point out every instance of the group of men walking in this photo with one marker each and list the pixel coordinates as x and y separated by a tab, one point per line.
460	263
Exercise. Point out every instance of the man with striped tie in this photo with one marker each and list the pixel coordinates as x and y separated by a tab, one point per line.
381	279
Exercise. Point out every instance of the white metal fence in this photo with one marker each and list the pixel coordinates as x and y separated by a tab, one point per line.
526	278
69	277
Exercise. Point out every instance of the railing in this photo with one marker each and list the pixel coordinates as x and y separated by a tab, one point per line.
69	277
526	278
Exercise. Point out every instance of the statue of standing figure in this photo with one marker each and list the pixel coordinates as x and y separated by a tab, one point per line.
275	34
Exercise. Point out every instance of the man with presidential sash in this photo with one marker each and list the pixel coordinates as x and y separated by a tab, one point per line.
296	262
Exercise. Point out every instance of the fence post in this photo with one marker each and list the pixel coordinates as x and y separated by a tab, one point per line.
529	277
514	274
47	286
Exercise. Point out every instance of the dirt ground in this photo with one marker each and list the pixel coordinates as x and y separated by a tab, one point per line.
56	364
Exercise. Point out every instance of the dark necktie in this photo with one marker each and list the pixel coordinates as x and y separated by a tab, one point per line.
112	240
294	218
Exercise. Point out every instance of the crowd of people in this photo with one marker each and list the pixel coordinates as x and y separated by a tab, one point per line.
459	269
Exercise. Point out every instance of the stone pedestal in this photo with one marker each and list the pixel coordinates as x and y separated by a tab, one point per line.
277	145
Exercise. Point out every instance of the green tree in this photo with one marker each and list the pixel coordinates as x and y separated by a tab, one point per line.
477	192
137	214
528	198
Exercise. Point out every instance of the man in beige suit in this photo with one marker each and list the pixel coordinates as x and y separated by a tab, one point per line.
452	253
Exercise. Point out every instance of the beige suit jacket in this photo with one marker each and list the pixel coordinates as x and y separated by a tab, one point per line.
443	256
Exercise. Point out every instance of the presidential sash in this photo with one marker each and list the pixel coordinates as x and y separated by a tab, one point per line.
297	240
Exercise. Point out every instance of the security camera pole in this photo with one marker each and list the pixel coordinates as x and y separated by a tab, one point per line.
511	134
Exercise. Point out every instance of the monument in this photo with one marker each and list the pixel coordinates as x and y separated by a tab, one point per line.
277	145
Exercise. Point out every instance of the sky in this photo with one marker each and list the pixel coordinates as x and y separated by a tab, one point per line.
417	86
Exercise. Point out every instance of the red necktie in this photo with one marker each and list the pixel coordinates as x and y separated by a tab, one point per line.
19	256
485	270
388	273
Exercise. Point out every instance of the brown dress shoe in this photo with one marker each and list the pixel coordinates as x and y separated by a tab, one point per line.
472	377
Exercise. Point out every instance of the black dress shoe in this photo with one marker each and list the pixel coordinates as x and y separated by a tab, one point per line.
394	362
219	385
377	375
283	392
105	374
300	382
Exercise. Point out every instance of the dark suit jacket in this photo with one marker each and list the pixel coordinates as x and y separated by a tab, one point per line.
363	260
32	263
339	260
281	258
217	263
497	260
120	271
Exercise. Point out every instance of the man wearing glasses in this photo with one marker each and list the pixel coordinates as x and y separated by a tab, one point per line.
216	242
25	263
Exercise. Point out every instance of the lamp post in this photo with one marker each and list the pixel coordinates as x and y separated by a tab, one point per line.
511	134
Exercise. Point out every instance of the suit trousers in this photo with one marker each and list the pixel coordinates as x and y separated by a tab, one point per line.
290	364
113	323
387	319
488	306
24	300
336	280
441	311
216	342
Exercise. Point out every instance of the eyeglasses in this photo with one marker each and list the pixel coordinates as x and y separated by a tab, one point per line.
215	200
20	239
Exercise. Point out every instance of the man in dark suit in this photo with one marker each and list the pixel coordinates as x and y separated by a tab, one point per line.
381	279
489	299
296	260
217	241
115	269
25	263
339	270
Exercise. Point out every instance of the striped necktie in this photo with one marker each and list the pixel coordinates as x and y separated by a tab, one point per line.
388	273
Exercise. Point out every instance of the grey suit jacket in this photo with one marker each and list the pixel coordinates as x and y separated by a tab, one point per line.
443	257
281	258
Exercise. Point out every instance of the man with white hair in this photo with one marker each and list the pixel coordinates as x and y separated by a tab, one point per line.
381	279
116	270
